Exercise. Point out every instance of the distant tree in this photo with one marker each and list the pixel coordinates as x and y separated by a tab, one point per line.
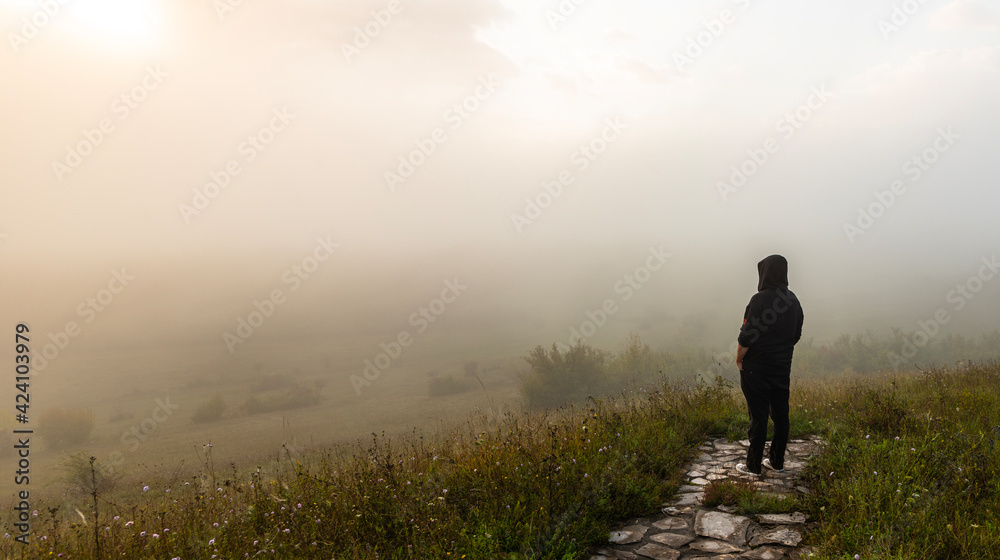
210	411
471	369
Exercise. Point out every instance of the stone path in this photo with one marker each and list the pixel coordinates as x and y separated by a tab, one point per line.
688	530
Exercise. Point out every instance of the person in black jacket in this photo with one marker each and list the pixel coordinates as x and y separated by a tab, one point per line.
772	324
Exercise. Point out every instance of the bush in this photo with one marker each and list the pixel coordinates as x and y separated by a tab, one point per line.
211	410
298	396
557	378
449	385
66	426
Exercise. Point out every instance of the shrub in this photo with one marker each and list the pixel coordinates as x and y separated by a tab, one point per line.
448	385
297	396
211	410
557	378
66	426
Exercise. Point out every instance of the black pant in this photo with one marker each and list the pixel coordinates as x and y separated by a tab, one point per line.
766	391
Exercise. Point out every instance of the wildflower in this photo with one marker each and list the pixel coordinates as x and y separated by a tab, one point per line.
142	534
211	542
145	488
129	523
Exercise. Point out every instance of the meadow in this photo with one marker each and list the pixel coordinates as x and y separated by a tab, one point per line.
910	470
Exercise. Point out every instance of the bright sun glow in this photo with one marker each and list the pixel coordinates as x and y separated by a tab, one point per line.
124	23
117	24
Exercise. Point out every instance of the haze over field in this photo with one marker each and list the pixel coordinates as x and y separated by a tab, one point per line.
481	175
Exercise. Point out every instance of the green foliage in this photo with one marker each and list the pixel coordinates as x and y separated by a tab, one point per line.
62	427
448	385
913	477
558	378
211	410
746	498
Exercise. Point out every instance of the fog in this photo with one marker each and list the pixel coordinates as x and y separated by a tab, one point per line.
508	166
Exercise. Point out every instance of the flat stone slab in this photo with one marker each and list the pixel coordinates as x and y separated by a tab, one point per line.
722	526
658	552
671	524
765	553
782	536
714	546
673	540
796	518
691	499
629	535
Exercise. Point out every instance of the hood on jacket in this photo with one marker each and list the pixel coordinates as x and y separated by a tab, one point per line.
773	273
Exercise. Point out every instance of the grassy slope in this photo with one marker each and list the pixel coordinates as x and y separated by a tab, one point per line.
910	472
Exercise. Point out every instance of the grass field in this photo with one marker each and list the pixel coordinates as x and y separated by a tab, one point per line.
910	471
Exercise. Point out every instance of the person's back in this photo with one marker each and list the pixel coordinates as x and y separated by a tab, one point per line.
772	322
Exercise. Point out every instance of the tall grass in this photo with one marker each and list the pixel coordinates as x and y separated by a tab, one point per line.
912	468
528	486
910	472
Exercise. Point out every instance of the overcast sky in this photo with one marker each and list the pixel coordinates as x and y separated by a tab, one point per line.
647	110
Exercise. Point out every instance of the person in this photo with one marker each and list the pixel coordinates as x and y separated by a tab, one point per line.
772	324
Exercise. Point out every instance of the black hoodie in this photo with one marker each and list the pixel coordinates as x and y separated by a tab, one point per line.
772	322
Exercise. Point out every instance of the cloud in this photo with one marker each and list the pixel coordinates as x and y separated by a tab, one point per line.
963	15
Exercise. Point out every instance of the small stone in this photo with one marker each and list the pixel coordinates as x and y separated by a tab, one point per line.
726	509
671	524
658	552
700	481
714	546
671	510
673	540
715	477
783	536
695	474
629	535
689	488
783	518
804	490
